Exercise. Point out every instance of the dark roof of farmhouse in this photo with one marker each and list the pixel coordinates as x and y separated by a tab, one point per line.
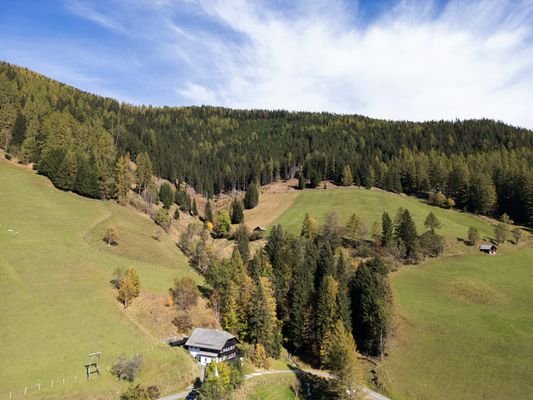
209	338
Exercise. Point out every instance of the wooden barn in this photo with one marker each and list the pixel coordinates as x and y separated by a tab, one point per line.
488	248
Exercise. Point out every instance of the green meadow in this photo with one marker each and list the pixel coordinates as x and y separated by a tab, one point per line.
369	206
464	322
465	328
57	304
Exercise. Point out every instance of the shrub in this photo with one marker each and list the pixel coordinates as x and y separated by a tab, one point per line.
432	244
138	392
111	236
162	218
185	293
127	369
182	322
118	276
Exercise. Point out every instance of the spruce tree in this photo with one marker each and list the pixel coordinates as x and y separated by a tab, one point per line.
300	297
242	239
86	180
343	297
166	195
264	326
251	198
387	230
371	306
330	230
301	182
194	208
237	214
406	232
66	175
326	308
208	211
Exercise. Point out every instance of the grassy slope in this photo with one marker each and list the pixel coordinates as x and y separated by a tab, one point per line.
57	304
369	206
268	387
465	328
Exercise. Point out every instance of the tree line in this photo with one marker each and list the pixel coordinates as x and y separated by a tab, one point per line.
77	138
302	292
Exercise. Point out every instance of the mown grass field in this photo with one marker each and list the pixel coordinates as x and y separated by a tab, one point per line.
369	206
464	322
465	328
57	304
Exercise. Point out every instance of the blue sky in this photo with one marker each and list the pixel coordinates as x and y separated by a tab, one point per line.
415	60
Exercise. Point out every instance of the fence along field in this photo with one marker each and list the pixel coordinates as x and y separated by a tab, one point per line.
57	304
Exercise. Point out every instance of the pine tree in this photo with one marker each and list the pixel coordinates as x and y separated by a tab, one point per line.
251	198
237	214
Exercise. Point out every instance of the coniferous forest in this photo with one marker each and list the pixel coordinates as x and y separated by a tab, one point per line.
78	139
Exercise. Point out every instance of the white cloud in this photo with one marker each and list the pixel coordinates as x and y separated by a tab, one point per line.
472	60
415	61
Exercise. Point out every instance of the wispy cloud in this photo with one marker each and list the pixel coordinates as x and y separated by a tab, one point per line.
468	60
415	60
102	18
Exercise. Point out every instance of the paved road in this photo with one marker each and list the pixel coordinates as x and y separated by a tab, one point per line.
370	394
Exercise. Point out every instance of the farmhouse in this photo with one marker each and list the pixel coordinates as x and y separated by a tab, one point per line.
259	229
208	345
488	248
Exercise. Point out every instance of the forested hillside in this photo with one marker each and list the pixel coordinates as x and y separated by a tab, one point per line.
75	138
